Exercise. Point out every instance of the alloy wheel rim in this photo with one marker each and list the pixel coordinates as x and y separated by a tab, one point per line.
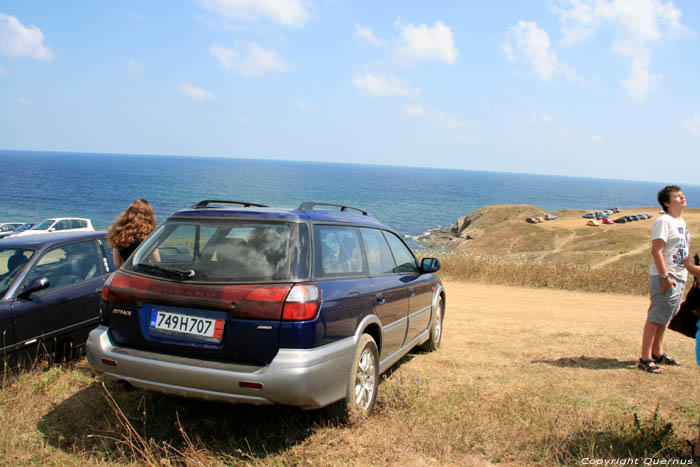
364	380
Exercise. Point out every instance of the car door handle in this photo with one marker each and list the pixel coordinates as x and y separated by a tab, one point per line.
381	299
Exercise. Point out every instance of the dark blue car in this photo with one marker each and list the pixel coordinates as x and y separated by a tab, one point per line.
249	304
49	293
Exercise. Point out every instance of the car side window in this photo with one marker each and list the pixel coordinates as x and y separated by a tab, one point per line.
62	225
68	264
338	251
78	224
378	254
404	258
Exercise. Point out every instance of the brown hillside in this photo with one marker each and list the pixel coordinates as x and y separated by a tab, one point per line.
501	231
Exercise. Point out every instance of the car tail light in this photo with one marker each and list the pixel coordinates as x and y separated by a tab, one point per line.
257	302
303	303
121	289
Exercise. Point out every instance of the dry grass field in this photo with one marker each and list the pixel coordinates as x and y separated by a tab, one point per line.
524	377
537	375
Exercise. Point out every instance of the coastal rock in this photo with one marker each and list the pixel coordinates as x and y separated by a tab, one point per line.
478	222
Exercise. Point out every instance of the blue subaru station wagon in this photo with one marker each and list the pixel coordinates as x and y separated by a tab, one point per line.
245	303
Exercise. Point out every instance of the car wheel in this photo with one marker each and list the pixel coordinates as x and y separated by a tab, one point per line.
433	342
362	384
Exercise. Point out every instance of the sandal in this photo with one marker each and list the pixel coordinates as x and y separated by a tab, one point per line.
648	366
664	360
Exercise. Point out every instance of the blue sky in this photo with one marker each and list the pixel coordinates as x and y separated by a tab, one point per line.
597	88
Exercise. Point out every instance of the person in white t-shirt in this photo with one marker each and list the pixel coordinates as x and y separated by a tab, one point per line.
667	276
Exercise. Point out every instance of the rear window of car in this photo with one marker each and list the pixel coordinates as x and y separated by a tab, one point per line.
225	251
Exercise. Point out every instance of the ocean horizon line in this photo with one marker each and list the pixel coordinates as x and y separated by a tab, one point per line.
359	164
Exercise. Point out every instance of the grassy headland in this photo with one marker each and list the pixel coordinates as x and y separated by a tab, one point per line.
494	245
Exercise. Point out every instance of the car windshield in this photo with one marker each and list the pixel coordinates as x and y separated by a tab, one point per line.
44	225
11	262
24	227
225	251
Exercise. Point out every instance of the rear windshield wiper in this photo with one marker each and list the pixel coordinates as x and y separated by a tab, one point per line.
180	274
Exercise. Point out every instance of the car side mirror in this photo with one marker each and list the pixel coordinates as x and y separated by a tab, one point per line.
40	283
430	265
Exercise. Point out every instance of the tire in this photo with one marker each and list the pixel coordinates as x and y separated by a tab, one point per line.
362	384
433	342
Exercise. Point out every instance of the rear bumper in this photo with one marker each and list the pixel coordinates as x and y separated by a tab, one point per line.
309	378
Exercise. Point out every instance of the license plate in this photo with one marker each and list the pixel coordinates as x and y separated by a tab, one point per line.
187	324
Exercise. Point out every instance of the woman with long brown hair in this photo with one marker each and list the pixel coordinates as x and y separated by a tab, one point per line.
130	229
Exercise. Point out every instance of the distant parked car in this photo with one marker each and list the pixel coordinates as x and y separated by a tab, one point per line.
10	226
635	218
607	221
531	220
592	223
539	219
621	220
549	217
50	292
589	215
60	224
21	228
600	215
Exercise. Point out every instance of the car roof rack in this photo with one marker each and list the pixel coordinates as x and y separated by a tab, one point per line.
309	206
205	203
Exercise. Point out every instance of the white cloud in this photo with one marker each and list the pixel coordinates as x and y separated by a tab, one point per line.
448	121
692	123
365	34
134	68
304	105
414	110
195	93
380	85
255	63
581	136
637	24
534	118
421	43
286	12
17	40
546	118
529	41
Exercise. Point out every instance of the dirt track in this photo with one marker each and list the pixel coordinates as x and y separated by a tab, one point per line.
594	324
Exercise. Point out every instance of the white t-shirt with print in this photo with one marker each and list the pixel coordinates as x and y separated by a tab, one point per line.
674	232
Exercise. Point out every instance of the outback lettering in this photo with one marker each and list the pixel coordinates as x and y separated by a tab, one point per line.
120	311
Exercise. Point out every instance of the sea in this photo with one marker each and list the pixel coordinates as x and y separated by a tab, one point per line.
38	185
